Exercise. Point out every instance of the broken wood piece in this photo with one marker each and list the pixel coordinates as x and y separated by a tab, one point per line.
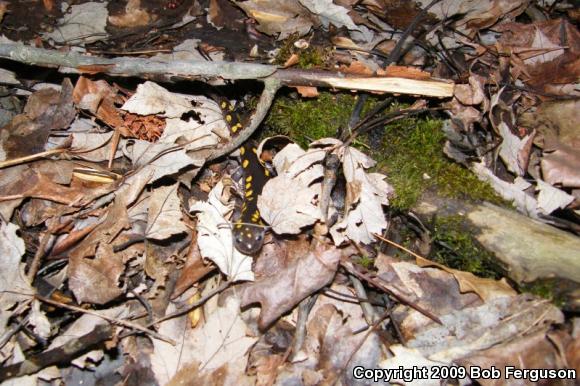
72	62
529	249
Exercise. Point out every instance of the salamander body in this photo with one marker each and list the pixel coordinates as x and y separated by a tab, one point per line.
248	229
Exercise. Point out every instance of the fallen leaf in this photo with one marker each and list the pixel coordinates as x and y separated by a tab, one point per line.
330	13
365	196
83	23
134	16
220	340
279	17
282	291
485	288
215	238
164	214
14	286
551	198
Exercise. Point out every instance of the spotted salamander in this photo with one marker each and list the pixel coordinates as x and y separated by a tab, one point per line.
248	229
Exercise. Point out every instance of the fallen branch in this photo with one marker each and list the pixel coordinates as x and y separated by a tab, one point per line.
71	62
60	355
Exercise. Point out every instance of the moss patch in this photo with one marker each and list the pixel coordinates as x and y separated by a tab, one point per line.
411	153
311	119
456	248
413	159
547	289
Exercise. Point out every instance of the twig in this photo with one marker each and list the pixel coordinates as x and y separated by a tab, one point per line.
193	306
61	355
40	252
395	54
367	309
351	269
171	70
303	310
119	322
32	157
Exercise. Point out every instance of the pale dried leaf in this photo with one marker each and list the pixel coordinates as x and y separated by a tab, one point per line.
215	238
282	291
164	215
328	12
511	150
158	159
409	358
279	17
150	98
508	191
561	166
13	284
221	340
486	288
84	23
368	193
288	206
499	320
542	42
551	198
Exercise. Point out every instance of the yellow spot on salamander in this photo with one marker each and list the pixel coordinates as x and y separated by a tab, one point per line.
248	185
267	172
224	105
249	235
249	179
242	149
228	118
255	150
238	226
231	107
245	163
249	193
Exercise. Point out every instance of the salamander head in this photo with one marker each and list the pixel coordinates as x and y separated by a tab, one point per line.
248	239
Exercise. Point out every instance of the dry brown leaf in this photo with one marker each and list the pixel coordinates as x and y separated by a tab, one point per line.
331	344
532	351
307	92
164	213
94	270
46	110
279	17
485	288
471	330
12	276
561	166
281	292
134	16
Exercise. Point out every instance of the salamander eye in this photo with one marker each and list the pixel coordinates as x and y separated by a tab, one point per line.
259	237
239	239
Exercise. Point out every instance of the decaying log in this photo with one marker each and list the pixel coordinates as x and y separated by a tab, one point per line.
529	249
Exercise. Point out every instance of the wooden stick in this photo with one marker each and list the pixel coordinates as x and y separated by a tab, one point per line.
72	62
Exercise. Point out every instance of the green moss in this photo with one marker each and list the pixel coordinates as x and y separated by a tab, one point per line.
411	153
547	289
366	262
310	119
312	56
413	159
456	248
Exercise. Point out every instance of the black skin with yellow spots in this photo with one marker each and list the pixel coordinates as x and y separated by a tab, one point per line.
248	229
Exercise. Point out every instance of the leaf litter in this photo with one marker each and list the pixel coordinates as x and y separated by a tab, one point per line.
125	214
